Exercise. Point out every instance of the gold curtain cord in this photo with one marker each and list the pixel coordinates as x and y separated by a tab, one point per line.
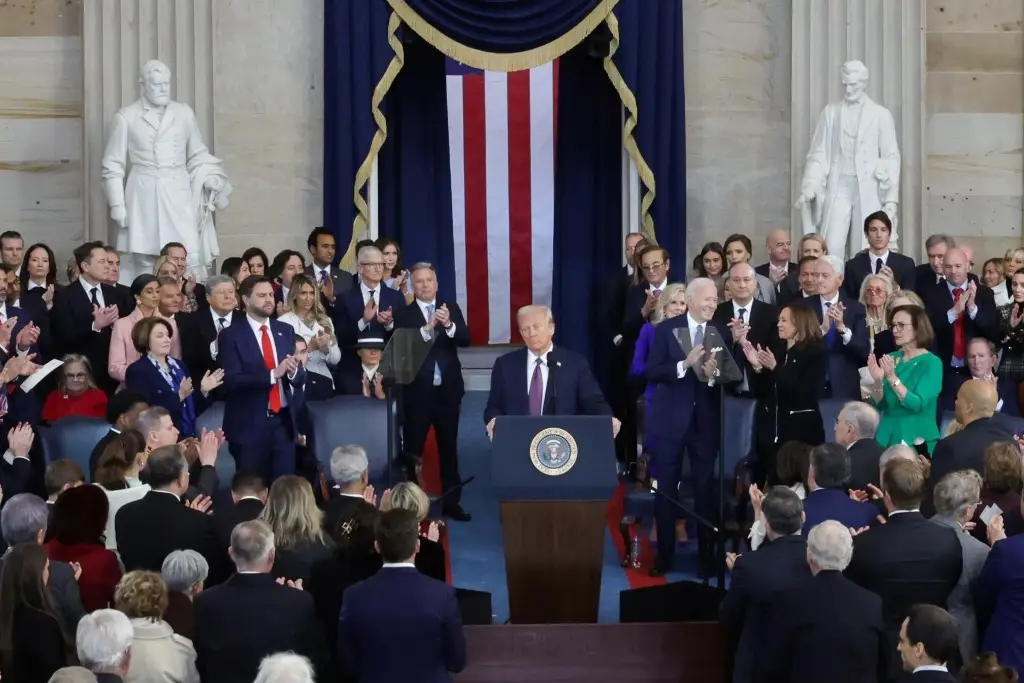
513	61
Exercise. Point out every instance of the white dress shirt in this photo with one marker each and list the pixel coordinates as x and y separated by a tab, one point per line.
255	325
217	317
846	335
88	291
745	317
398	565
362	324
318	360
692	326
318	271
450	330
931	667
873	259
531	363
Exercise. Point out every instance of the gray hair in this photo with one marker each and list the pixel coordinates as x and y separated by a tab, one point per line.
830	546
73	674
862	417
285	667
534	309
251	544
151	67
695	287
24	516
218	280
956	492
838	267
855	68
900	450
183	569
348	464
831	465
936	240
783	510
366	251
103	639
886	281
422	265
149	419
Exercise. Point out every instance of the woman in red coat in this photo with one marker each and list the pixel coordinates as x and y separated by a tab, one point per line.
79	518
76	392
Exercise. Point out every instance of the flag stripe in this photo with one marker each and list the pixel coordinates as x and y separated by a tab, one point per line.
475	184
456	154
520	99
542	190
496	137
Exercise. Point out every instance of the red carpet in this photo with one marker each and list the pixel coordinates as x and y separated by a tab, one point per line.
638	578
430	481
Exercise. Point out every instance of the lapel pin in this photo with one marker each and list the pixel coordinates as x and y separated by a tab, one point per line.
558	364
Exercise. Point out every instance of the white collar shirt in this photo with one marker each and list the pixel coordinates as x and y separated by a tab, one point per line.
88	291
256	326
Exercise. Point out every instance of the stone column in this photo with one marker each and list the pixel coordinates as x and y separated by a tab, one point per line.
888	36
119	36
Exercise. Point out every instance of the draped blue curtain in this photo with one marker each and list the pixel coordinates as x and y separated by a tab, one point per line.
650	59
356	54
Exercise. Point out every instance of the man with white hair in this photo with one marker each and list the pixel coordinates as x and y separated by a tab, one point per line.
104	644
542	379
855	430
251	615
73	674
200	329
370	307
686	361
350	474
844	326
828	628
285	667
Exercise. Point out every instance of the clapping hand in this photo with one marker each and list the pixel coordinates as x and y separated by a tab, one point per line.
18	366
756	499
874	369
887	271
739	330
20	438
209	444
185	388
649	303
327	288
433	532
443	316
211	380
888	366
289	365
48	297
201	504
836	313
370	496
366	386
777	273
296	584
370	310
6	329
695	356
750	353
28	336
385	317
104	317
766	357
994	530
378	385
281	310
710	365
972	293
730	560
1016	314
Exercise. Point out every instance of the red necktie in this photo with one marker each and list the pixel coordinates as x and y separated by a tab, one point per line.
959	336
270	362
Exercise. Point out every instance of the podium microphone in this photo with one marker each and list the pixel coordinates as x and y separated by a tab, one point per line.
921	447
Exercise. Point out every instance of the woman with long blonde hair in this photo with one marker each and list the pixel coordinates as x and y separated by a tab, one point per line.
306	314
297	523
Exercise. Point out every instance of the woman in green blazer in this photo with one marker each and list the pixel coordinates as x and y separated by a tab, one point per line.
907	383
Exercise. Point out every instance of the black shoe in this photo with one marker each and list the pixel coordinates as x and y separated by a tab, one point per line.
456	513
659	569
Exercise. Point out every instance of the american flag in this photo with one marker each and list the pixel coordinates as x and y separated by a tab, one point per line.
501	136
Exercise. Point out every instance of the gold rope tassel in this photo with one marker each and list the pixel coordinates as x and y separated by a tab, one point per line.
513	61
362	218
629	142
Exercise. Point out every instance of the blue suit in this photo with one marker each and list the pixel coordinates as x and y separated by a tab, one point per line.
258	440
571	388
845	360
825	504
400	625
999	602
143	376
683	417
349	311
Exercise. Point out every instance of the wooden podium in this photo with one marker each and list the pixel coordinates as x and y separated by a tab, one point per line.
554	477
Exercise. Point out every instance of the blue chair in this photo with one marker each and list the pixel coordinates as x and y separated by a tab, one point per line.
212	419
72	438
352	420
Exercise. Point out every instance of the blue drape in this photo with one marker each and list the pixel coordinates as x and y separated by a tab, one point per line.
415	190
650	59
503	25
588	196
356	54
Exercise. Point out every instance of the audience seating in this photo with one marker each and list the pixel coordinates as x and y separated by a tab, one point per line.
351	420
212	419
72	438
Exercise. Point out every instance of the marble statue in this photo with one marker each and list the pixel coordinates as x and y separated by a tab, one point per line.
853	168
174	183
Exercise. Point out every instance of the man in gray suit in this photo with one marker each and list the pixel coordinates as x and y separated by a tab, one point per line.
24	520
955	498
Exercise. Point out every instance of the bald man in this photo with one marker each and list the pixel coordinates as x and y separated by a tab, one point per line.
983	426
960	310
778	244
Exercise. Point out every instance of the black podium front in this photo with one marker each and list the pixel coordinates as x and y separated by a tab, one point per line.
553	476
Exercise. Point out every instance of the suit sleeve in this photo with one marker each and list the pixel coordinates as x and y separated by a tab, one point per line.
71	335
908	278
453	639
462	337
734	606
65	592
495	397
236	378
661	365
779	646
860	342
987	587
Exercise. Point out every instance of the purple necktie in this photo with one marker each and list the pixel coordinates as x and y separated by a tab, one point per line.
537	390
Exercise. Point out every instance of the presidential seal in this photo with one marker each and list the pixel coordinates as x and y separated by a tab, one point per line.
553	452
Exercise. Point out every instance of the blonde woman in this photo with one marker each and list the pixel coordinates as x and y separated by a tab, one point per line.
165	267
671	303
1013	261
306	314
159	655
430	559
297	523
875	293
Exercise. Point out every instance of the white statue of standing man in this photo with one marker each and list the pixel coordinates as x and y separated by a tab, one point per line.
853	167
174	183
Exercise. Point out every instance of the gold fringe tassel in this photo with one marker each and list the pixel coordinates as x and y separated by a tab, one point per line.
362	219
514	61
628	141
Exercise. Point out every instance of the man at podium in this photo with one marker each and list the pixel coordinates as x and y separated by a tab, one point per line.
540	379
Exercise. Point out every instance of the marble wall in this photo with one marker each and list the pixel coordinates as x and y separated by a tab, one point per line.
975	122
41	122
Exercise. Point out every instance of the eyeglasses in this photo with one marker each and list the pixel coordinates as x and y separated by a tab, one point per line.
653	266
375	264
875	290
76	376
899	327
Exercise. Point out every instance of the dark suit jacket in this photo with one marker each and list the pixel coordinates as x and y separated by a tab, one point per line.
444	352
152	527
908	560
864	456
247	618
759	579
31	302
198	330
401	610
965	450
341	508
763	321
824	504
247	380
349	311
793	270
342	281
845	360
938	301
39	646
788	395
932	677
571	387
1006	388
924	278
63	587
295	563
72	327
863	264
999	602
142	376
826	629
226	516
